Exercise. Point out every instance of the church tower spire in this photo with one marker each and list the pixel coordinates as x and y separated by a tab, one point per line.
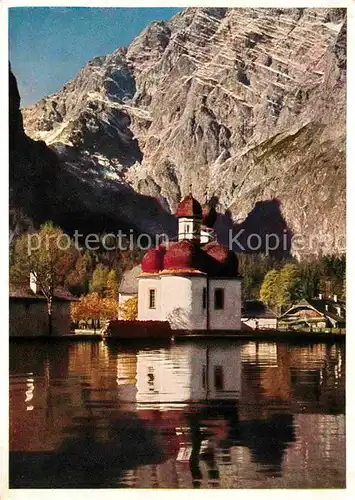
189	213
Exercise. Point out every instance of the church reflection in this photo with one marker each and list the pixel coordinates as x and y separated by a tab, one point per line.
210	402
207	406
188	373
187	415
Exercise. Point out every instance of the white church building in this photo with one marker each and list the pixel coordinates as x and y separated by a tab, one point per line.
193	282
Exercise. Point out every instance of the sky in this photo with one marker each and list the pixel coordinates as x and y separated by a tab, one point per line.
49	45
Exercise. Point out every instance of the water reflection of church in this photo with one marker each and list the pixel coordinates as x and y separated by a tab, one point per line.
219	412
216	407
188	373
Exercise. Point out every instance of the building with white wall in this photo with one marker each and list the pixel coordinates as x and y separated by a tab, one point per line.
193	282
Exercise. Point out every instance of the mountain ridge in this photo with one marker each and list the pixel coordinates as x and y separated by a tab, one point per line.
243	105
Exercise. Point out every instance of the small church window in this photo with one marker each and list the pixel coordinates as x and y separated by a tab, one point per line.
152	300
219	298
218	378
204	298
187	228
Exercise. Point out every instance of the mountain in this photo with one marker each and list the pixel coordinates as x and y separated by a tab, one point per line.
57	184
245	107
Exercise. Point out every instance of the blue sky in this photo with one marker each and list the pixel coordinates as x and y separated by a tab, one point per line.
48	46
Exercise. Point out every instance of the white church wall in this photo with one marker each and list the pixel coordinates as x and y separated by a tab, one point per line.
228	318
198	313
182	301
179	300
144	311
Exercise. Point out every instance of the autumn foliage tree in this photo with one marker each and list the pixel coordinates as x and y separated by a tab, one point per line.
110	308
102	301
94	308
129	309
112	285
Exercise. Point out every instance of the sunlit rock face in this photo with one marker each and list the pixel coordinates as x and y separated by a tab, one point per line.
243	105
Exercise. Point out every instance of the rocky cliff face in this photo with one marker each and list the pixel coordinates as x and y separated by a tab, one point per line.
246	106
61	185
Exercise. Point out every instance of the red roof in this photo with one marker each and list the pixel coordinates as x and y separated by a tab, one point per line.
187	256
180	255
217	251
189	207
226	260
153	260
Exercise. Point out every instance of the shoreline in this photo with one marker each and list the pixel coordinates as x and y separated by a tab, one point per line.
177	335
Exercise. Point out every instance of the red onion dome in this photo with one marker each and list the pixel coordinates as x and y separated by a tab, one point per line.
189	207
217	251
226	261
180	255
209	216
152	261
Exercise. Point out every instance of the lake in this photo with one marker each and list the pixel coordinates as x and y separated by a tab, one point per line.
222	414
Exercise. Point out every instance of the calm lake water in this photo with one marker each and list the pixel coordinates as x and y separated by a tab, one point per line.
185	415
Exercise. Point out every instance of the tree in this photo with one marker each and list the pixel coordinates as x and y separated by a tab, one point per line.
129	309
93	307
78	277
310	274
268	290
253	267
281	288
78	312
98	283
48	255
289	286
112	285
110	308
332	274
